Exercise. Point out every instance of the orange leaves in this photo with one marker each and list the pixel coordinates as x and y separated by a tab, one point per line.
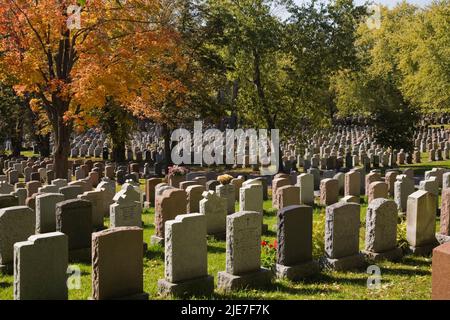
124	51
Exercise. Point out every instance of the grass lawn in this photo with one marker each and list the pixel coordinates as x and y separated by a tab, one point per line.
409	279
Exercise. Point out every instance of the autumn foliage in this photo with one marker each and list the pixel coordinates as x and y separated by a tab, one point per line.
71	57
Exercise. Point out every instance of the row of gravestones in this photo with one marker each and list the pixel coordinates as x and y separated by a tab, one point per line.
350	146
186	250
229	280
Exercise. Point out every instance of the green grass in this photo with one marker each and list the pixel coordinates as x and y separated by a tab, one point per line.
409	279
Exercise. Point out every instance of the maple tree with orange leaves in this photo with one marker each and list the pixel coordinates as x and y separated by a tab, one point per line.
73	56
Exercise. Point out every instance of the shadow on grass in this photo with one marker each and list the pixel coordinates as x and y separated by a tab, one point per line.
324	278
283	288
214	249
270	213
270	233
405	272
415	262
149	226
274	288
155	253
4	285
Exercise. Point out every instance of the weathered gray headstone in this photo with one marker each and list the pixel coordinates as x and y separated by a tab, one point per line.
215	210
381	230
16	224
186	266
46	212
40	267
342	236
243	254
421	222
117	264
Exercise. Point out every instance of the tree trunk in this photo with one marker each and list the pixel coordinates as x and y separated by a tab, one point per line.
17	138
167	146
118	150
62	150
270	118
44	145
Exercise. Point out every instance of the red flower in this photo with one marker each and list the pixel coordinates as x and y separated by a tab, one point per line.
264	243
270	246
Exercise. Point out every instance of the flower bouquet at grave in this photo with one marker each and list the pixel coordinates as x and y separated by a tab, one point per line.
269	254
224	179
178	171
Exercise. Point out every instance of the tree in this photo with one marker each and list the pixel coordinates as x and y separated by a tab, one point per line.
12	109
320	39
74	57
375	88
118	124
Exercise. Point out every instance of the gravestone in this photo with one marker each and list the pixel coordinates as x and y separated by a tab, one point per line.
340	177
251	198
288	196
316	175
390	179
59	183
432	187
306	184
263	181
404	187
212	184
117	264
150	185
295	246
215	210
243	253
33	187
40	267
45	208
351	199
377	190
21	194
96	198
371	178
237	183
74	218
445	213
186	252
278	183
126	212
227	192
108	188
342	237
48	189
441	273
381	231
194	195
16	224
8	201
71	192
6	188
170	204
353	183
329	191
421	222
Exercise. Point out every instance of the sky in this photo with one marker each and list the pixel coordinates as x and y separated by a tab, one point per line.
389	3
